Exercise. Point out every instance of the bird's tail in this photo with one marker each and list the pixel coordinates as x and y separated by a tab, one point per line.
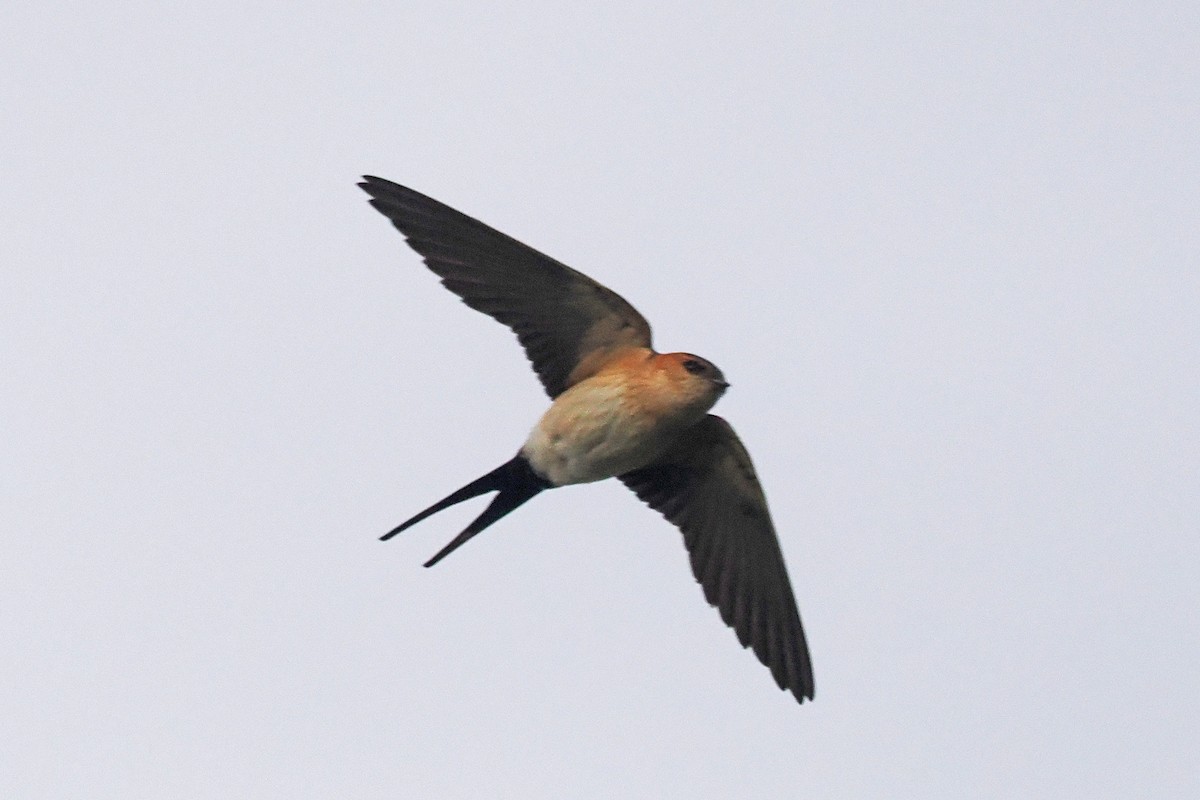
516	482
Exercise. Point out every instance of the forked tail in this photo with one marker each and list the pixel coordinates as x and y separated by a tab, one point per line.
516	482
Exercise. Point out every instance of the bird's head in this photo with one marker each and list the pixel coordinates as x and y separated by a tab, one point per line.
695	376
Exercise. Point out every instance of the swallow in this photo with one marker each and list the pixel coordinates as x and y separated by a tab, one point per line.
619	410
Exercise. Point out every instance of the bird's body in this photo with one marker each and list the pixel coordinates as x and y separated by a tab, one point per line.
619	420
619	410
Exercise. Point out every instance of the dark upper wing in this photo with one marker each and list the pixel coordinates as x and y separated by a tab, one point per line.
707	487
561	317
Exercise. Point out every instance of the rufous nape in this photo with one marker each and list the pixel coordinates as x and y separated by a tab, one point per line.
620	410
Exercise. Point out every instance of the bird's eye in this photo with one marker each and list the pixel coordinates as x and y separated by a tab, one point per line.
693	366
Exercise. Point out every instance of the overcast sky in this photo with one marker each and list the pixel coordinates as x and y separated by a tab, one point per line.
947	256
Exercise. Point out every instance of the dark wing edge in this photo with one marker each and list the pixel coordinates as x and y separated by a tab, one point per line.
707	487
560	316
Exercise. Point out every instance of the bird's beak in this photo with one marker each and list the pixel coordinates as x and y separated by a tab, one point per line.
722	385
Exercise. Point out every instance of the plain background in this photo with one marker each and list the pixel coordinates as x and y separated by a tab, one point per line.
945	252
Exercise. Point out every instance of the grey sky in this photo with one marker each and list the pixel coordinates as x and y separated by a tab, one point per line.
947	255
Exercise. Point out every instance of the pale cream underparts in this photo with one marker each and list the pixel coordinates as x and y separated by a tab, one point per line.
620	419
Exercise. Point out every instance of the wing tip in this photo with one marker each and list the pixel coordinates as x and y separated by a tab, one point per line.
370	181
802	693
381	187
801	686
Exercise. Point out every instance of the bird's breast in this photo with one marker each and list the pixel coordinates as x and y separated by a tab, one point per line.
604	427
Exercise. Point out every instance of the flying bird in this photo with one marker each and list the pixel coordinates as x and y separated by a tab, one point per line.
620	410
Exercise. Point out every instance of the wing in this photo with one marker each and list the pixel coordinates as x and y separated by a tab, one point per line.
707	487
567	323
